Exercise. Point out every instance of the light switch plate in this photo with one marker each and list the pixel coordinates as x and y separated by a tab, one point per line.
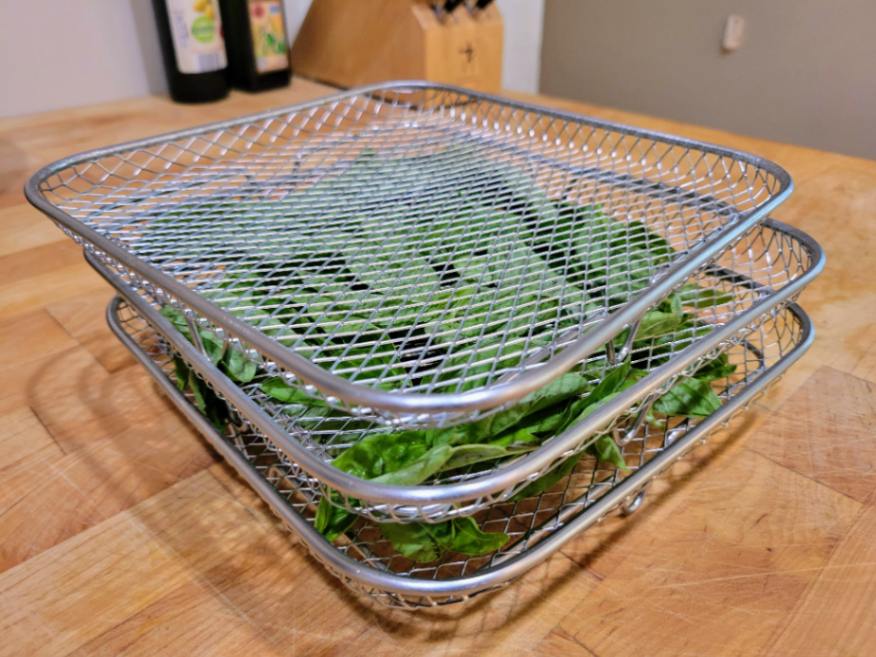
734	29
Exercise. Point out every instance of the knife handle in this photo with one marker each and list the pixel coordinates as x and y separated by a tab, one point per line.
450	5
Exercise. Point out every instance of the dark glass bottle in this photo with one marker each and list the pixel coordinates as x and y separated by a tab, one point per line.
190	32
255	38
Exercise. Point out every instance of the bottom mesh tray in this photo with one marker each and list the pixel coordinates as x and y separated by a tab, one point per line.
538	526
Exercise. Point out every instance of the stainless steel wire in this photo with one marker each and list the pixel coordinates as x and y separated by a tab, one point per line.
537	526
763	272
416	253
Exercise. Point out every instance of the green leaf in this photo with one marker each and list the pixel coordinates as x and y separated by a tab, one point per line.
607	451
688	398
178	319
238	367
559	417
423	542
206	401
181	372
195	387
366	458
412	541
213	346
410	457
567	386
611	383
550	479
616	258
717	368
465	455
555	419
381	453
603	448
276	388
657	323
331	520
418	470
694	296
643	238
464	536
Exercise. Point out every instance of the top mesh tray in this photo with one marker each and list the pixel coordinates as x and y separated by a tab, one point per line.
421	254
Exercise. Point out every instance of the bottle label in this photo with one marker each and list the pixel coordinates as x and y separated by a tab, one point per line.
268	35
197	35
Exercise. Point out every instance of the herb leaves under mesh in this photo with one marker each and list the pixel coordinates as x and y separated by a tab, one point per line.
544	267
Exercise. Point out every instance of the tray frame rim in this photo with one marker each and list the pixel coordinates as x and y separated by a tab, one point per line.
366	579
418	408
506	476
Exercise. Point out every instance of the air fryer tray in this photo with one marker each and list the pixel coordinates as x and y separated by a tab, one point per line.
538	526
364	186
765	270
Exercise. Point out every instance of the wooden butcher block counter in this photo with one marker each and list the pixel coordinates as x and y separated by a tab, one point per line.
122	533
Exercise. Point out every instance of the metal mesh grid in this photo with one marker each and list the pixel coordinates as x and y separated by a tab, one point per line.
765	261
771	259
415	240
528	522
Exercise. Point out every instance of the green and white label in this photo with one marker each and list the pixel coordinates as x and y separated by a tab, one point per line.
197	35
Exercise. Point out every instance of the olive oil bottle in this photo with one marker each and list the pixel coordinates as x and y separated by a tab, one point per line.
255	38
190	32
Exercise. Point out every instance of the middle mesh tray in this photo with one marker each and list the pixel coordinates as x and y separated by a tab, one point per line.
764	271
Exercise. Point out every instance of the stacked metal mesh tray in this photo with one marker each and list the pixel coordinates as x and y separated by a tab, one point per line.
416	257
538	525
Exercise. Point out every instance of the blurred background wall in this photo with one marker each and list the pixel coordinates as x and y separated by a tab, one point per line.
805	73
90	51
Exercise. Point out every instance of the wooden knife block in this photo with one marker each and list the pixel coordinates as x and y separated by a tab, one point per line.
354	42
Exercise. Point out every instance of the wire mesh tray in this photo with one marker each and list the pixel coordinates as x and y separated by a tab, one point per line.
777	262
538	526
440	253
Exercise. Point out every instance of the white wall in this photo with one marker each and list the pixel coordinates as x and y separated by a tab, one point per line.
806	71
63	53
296	10
521	63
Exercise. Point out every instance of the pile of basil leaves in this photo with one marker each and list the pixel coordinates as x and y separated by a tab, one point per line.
584	258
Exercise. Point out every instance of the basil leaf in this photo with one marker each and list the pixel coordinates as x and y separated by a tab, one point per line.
717	368
465	455
423	542
689	397
607	451
567	386
276	388
237	366
550	479
331	520
181	373
411	541
418	470
694	296
381	453
213	346
464	536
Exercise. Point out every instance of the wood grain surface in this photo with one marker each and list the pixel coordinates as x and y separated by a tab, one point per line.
121	533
